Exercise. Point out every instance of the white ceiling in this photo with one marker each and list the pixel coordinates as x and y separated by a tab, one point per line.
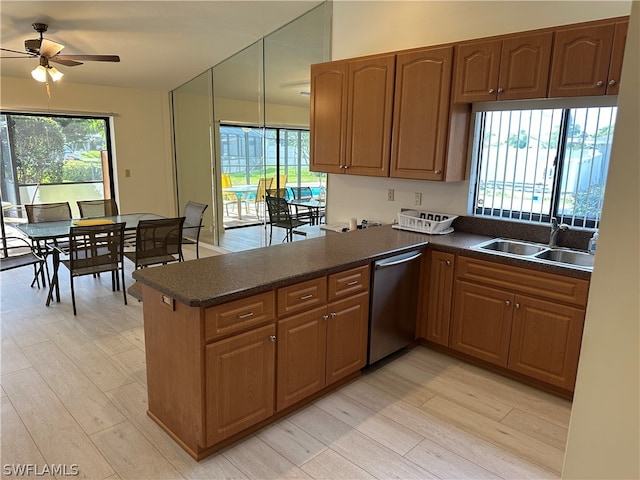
161	44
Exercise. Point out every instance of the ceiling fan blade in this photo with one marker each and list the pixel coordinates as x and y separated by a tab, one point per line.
64	61
24	54
49	48
90	58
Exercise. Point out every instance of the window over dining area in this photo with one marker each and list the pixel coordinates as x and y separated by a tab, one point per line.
51	158
531	164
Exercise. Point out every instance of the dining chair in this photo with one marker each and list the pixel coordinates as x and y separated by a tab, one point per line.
106	207
48	212
16	252
302	193
157	241
280	216
193	213
92	250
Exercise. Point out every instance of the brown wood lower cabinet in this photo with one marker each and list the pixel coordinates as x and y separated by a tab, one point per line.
520	319
240	382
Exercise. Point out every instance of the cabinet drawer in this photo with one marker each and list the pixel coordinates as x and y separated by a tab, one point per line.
349	282
238	315
302	296
549	286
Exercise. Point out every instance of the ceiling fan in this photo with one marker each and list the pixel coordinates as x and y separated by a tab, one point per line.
48	51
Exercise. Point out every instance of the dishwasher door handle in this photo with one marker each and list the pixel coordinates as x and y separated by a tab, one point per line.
379	265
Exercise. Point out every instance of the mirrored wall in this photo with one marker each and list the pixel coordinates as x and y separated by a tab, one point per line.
242	126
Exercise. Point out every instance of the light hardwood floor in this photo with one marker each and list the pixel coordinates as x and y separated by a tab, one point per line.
74	392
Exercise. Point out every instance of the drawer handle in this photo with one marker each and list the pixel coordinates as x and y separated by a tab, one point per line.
306	297
353	282
246	315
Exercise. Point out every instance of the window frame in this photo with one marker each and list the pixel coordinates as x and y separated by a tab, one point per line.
477	139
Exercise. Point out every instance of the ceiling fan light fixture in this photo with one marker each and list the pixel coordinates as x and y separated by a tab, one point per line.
39	74
55	74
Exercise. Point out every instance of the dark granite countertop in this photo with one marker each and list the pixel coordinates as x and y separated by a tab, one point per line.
214	280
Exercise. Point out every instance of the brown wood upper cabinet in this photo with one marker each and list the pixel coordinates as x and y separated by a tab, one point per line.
588	60
362	104
351	114
513	68
429	134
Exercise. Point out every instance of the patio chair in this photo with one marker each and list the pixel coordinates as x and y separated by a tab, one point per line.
157	242
92	250
106	207
302	193
17	252
48	212
193	213
261	192
280	216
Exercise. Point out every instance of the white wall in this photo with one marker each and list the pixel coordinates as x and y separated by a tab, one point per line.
141	129
369	27
604	435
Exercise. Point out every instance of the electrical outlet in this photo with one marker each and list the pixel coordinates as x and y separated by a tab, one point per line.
390	195
417	198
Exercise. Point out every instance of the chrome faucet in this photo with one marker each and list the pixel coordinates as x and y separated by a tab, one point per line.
555	230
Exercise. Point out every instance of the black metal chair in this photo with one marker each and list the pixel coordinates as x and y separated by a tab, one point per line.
280	216
106	207
193	213
92	250
157	241
16	252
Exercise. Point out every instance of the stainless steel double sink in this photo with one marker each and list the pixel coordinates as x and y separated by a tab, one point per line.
537	252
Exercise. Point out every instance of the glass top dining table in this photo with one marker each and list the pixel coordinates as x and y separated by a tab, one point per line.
61	228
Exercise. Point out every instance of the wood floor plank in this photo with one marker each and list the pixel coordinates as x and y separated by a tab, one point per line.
87	404
12	358
455	439
399	386
383	430
259	461
291	442
536	427
446	464
132	455
17	446
131	399
364	452
527	447
58	437
131	361
112	344
331	466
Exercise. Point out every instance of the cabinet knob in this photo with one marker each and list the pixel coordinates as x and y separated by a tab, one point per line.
334	314
448	263
325	317
600	83
517	305
272	338
438	172
491	90
612	83
500	90
507	303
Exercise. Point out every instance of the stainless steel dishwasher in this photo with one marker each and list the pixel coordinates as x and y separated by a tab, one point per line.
394	304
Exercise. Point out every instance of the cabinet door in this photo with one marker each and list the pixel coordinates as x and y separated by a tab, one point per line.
240	382
477	68
328	105
421	113
581	58
440	293
524	67
617	52
481	324
369	116
545	340
301	356
347	329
